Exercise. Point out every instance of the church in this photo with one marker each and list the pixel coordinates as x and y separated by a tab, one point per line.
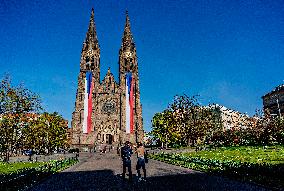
107	112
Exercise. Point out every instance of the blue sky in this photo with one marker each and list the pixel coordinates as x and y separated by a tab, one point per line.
228	52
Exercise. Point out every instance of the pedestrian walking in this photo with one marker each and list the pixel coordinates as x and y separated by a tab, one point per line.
118	150
126	153
141	156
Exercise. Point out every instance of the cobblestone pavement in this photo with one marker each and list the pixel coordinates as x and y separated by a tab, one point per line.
97	171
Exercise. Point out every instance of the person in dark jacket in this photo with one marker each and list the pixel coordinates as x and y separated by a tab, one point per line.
126	153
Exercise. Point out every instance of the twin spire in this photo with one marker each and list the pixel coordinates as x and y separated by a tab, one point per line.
92	39
91	36
127	38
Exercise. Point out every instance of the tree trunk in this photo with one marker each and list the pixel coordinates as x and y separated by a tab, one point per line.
166	141
188	142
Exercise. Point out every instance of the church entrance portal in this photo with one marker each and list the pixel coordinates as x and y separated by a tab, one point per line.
108	139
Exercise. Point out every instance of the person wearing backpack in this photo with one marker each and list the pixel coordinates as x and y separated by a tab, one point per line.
126	153
141	160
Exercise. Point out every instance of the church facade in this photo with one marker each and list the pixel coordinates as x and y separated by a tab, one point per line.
107	112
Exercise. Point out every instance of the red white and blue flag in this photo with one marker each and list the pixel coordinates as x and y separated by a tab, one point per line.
129	91
89	85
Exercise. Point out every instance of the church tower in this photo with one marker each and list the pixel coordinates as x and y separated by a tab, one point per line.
128	64
107	112
89	62
90	55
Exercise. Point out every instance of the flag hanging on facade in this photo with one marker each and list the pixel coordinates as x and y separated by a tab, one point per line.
89	85
129	91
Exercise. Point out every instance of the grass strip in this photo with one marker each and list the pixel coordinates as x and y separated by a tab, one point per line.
262	165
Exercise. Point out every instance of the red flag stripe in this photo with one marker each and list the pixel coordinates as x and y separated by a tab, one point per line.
90	108
131	106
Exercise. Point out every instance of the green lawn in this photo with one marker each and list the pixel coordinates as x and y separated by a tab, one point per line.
271	154
20	175
8	168
263	165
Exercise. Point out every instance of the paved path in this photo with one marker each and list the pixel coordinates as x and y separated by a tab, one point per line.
101	172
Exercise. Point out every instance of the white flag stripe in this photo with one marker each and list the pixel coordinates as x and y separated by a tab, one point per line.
85	128
127	108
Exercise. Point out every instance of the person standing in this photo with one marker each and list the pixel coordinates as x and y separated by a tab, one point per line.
126	153
118	149
140	161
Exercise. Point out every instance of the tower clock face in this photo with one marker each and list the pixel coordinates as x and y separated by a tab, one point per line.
108	107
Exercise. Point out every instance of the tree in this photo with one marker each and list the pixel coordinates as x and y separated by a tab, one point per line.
165	129
192	119
185	121
15	104
160	131
56	131
34	133
46	132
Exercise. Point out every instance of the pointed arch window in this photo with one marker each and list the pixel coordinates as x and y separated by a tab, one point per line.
93	63
87	59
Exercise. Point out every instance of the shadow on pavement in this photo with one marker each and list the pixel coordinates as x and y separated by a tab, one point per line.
107	180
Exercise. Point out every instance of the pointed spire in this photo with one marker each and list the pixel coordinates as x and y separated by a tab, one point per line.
127	39
91	36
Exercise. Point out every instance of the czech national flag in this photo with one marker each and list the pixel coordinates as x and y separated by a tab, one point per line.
89	85
129	91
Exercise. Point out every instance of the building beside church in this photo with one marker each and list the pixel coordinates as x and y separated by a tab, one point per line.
107	112
229	119
273	102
